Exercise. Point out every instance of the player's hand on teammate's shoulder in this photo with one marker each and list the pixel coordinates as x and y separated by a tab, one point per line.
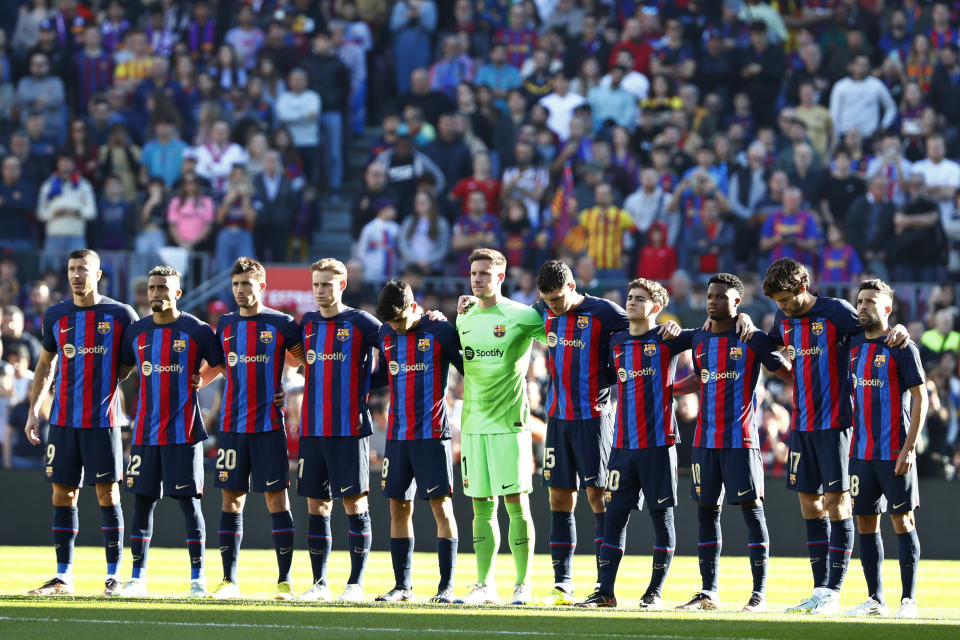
745	327
669	330
435	315
897	337
465	302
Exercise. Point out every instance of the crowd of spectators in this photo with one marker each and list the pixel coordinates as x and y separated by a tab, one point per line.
671	139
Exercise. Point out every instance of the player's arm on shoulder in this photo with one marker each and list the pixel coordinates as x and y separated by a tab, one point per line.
771	356
42	378
669	330
532	322
690	384
206	375
897	337
450	343
464	303
745	326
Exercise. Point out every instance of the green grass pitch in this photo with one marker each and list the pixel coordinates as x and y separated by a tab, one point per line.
167	616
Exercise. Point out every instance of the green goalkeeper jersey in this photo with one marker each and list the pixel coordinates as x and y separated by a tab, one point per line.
496	351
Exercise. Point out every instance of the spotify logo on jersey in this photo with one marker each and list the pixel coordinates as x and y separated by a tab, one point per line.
146	367
468	353
704	376
792	352
232	359
551	339
69	350
394	368
311	356
622	374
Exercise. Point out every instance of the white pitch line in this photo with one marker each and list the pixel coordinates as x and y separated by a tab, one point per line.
296	627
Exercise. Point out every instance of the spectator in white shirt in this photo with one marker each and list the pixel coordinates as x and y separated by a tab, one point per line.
561	104
298	109
941	175
216	158
634	81
65	204
856	101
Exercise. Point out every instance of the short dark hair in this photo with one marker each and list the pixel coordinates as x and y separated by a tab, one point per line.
395	296
786	274
244	264
728	280
876	284
164	270
658	293
83	254
553	275
496	258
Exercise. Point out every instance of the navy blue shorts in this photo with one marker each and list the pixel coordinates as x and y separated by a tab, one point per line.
577	451
736	472
73	455
873	485
635	473
260	455
165	470
819	460
333	466
417	468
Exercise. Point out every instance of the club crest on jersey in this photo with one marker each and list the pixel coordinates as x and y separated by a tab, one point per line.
649	349
582	322
793	478
129	481
49	471
343	334
546	474
607	496
103	327
817	328
266	337
179	346
736	353
499	330
880	360
224	475
423	344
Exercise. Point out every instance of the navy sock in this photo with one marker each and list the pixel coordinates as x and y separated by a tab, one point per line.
841	547
563	542
196	531
871	558
447	555
758	545
401	553
611	547
359	540
111	523
231	535
664	542
909	559
709	546
282	529
319	543
818	541
65	526
140	533
599	519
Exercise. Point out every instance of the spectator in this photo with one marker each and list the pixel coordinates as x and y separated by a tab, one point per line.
857	101
869	225
891	164
330	78
352	40
278	49
162	155
940	174
941	337
632	40
114	229
648	205
412	23
710	246
298	109
448	151
944	93
804	173
120	158
519	38
227	70
586	77
14	336
93	67
614	103
762	67
41	93
134	63
589	44
432	103
658	260
424	238
65	204
374	188
236	217
684	306
839	189
790	232
919	245
85	154
498	75
215	159
816	118
245	38
453	68
280	201
482	180
190	215
538	81
377	245
475	229
839	262
18	203
525	181
26	33
605	226
561	104
151	236
506	132
716	67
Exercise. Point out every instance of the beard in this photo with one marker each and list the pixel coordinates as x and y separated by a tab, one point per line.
156	307
870	321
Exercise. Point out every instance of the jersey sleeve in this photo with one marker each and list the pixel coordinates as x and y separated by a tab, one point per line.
845	317
531	323
909	367
775	336
450	343
49	339
126	348
211	348
290	331
767	352
614	316
682	342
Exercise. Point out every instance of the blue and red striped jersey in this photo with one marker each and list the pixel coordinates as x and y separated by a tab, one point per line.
646	366
578	345
818	344
729	371
882	378
339	353
417	362
87	342
167	355
255	348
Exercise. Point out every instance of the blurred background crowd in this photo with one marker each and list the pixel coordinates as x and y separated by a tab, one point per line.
670	139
